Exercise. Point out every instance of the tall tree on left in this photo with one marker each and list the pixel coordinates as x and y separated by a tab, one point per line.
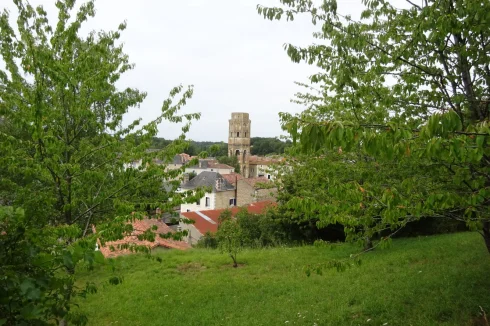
65	155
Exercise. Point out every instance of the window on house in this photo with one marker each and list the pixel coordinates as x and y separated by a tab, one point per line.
238	134
208	202
211	170
232	201
198	202
269	176
188	210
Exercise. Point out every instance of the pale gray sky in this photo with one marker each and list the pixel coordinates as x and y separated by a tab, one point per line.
233	57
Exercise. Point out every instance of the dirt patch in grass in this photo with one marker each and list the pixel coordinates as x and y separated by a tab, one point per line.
191	267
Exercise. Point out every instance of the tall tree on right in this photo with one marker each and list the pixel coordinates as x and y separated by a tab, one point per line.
407	88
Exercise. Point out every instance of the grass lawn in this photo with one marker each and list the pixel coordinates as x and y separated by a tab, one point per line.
438	280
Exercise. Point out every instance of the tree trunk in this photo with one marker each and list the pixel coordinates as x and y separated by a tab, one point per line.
486	234
368	244
235	264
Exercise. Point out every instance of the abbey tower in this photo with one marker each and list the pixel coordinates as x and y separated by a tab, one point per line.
239	140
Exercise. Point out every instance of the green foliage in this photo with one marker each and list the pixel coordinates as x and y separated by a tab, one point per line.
401	103
260	230
422	281
208	240
231	161
213	149
65	155
229	238
34	290
192	175
265	146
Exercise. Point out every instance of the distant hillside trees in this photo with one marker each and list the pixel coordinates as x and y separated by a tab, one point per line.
260	146
266	146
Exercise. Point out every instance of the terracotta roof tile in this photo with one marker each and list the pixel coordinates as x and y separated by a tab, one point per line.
139	226
204	225
232	177
256	181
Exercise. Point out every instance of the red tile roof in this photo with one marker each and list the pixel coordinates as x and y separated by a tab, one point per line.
253	181
210	224
139	226
232	177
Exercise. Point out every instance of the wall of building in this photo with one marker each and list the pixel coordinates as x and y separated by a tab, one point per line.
223	199
262	170
194	234
246	194
239	139
265	194
192	207
218	200
173	166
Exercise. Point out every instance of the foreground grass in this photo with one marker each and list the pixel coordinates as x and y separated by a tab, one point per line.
439	280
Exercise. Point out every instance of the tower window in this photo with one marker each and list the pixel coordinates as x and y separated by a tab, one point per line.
231	134
238	134
245	134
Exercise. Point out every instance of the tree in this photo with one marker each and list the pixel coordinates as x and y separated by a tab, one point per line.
65	156
407	88
266	146
218	150
229	236
231	161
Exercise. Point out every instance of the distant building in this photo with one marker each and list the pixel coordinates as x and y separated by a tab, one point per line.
263	167
239	140
176	163
210	166
221	194
252	190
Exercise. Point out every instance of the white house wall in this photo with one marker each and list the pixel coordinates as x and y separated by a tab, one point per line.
192	207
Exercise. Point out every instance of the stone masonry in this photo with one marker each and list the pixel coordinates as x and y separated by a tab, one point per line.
239	140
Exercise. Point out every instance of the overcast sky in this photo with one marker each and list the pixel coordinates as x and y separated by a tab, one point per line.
233	57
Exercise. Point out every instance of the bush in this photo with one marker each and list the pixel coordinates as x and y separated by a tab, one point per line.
207	241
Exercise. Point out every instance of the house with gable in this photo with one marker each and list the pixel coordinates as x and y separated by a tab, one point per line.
220	194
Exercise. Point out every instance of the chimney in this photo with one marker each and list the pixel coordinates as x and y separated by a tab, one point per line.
186	177
219	184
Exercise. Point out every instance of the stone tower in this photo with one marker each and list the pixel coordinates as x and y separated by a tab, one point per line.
239	140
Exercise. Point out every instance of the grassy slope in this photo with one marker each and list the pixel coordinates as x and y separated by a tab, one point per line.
439	280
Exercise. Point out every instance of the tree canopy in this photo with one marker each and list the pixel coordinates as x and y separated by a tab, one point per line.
406	89
66	154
